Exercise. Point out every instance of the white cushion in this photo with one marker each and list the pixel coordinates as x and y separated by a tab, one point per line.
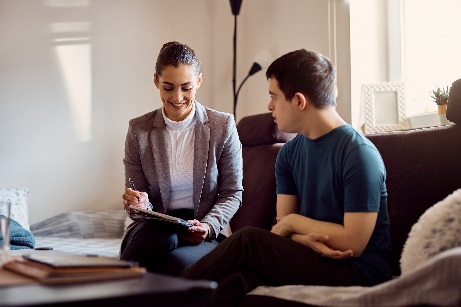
438	229
19	206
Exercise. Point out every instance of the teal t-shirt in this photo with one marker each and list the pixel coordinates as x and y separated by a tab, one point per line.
340	172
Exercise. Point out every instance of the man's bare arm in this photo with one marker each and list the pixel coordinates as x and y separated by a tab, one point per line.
286	204
353	235
289	204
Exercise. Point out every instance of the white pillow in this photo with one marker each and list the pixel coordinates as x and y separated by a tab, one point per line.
438	229
19	206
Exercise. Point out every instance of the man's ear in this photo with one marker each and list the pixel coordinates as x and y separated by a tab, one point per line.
156	80
199	80
301	101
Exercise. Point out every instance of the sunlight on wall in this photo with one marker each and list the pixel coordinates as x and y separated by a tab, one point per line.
67	3
73	52
75	63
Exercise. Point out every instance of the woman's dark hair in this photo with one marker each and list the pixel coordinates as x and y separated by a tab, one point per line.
306	72
174	53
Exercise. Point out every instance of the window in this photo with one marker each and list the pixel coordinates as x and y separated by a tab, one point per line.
431	43
417	42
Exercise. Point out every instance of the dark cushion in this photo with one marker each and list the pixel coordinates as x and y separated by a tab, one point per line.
261	142
423	167
259	197
454	103
260	129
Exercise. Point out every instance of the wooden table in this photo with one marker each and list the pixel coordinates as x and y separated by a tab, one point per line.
149	290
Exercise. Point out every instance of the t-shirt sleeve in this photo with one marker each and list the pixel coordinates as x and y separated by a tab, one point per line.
284	180
364	180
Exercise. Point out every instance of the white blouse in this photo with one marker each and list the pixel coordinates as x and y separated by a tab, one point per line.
181	156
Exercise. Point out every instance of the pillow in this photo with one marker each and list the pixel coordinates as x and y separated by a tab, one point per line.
19	206
438	229
260	129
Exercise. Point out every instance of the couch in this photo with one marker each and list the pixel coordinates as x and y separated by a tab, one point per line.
423	166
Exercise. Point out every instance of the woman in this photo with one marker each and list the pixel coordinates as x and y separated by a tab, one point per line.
186	161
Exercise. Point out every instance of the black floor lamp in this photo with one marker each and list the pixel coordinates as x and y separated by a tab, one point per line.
235	7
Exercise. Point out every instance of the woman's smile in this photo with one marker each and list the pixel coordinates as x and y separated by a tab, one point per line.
178	105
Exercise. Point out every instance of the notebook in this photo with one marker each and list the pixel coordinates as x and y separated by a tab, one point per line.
54	267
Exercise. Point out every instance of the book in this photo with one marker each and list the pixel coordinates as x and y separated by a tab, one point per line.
54	267
160	216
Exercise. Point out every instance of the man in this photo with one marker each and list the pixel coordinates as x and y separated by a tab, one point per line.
332	221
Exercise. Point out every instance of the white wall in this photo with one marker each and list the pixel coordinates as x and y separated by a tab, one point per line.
369	46
282	26
73	72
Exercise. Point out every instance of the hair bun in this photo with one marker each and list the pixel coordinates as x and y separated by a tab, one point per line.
169	44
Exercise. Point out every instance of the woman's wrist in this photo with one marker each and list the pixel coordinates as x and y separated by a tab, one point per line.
208	226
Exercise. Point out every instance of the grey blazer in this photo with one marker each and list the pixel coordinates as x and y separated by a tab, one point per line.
218	165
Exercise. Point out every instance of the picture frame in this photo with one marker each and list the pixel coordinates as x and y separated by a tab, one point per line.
384	107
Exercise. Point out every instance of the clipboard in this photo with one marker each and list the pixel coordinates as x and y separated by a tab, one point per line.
143	213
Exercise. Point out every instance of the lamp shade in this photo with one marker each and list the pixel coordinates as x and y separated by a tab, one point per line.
254	69
235	6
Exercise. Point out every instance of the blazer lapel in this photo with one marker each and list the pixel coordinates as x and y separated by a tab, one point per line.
161	161
202	146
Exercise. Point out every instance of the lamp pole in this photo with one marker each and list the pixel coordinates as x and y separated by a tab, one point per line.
234	70
235	7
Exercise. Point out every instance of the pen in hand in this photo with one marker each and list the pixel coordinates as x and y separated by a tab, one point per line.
132	186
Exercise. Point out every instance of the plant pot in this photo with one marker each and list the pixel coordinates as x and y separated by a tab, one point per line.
442	109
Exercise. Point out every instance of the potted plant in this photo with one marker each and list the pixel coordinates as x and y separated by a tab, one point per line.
440	96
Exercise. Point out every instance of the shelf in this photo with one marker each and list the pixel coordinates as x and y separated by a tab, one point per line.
428	120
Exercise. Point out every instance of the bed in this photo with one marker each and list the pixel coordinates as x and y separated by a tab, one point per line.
82	232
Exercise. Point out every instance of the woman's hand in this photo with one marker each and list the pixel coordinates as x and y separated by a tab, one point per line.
134	198
197	233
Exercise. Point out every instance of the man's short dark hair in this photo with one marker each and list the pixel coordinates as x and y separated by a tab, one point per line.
307	72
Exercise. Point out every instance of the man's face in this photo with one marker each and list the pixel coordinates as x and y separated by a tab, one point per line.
282	110
177	90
